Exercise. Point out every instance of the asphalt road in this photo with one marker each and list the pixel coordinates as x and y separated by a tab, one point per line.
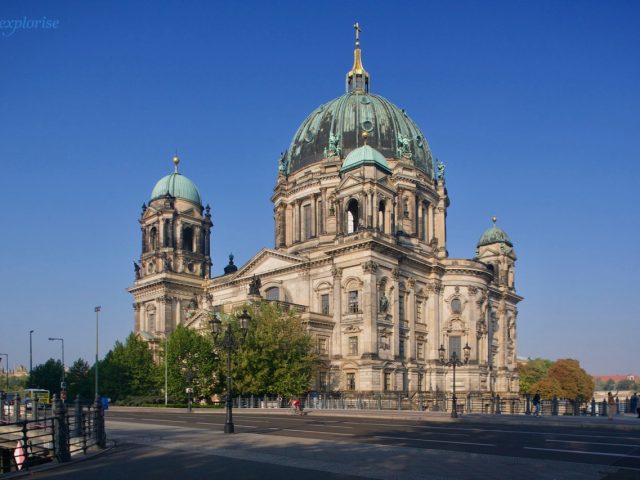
160	444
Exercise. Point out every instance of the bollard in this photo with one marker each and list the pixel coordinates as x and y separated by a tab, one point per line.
554	405
617	406
26	446
98	423
78	417
593	407
527	403
60	431
16	409
605	408
498	410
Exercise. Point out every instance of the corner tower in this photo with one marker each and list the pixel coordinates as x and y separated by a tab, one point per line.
175	255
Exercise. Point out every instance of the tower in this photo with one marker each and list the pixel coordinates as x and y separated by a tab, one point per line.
175	255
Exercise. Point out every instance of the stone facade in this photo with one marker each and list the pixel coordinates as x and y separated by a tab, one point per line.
360	252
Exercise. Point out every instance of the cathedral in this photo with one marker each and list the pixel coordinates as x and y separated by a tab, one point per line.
360	252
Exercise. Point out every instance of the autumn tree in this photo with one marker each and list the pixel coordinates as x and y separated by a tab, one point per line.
548	387
277	356
574	381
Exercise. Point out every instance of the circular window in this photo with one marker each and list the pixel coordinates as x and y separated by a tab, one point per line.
419	141
367	125
308	136
365	100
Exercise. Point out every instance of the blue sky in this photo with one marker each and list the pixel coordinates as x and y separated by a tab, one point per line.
532	106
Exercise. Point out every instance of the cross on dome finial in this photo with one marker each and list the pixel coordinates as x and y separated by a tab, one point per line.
357	77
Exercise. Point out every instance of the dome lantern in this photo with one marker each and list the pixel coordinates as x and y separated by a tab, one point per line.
357	77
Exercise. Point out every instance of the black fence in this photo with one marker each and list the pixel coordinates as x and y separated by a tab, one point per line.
35	436
470	403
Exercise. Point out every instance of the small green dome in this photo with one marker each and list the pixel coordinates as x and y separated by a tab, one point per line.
364	155
177	186
494	235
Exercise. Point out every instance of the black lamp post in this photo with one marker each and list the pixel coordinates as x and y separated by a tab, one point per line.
454	362
230	343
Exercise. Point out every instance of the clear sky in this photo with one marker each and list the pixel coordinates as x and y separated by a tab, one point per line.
533	107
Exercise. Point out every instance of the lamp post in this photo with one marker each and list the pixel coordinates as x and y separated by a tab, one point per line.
97	310
6	368
230	343
63	385
31	358
454	362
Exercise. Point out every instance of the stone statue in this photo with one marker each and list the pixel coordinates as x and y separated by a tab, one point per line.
167	264
334	147
440	167
404	146
136	269
282	164
254	286
383	303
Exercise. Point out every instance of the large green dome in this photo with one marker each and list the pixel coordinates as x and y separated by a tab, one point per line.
337	126
177	186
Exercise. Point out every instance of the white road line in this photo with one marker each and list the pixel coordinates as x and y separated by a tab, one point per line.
315	431
595	443
435	441
602	454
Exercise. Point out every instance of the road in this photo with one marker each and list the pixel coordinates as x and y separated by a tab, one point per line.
271	445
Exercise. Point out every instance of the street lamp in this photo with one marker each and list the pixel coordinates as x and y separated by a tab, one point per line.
454	362
97	310
30	358
6	368
63	385
230	343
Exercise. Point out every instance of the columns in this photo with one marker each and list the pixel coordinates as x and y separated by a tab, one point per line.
337	312
395	347
369	307
410	312
314	217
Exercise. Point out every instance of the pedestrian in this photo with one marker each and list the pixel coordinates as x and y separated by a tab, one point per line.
633	402
536	404
611	405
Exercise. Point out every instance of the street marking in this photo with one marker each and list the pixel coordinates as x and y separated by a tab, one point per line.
435	441
315	431
602	454
595	443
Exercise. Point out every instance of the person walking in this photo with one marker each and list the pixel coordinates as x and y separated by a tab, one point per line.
536	404
611	405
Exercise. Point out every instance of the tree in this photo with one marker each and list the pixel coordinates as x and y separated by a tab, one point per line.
574	381
609	385
532	372
79	380
191	364
278	355
128	370
548	387
47	375
625	385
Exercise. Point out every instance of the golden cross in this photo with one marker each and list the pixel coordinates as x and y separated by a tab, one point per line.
358	30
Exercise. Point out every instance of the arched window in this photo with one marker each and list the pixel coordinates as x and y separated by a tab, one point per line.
272	293
167	233
456	305
187	239
381	220
352	216
153	238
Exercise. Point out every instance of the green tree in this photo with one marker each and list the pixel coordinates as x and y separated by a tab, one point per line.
609	385
47	375
278	355
128	370
574	381
625	385
191	364
79	380
532	372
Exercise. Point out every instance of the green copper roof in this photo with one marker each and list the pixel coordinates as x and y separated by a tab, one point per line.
364	155
177	186
494	235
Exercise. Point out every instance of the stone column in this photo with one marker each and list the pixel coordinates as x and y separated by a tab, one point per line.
395	282
314	217
410	311
136	317
369	307
337	312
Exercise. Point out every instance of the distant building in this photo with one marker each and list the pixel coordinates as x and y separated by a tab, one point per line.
360	251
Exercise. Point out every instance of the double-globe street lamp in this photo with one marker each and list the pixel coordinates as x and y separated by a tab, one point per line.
454	361
63	384
230	343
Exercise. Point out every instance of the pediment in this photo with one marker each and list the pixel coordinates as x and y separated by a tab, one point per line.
267	260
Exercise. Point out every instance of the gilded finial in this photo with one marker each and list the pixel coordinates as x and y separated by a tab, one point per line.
365	136
494	219
357	77
176	161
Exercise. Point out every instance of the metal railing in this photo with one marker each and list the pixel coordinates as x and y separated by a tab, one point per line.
33	437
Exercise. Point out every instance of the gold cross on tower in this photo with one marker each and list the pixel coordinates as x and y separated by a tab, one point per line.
357	28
